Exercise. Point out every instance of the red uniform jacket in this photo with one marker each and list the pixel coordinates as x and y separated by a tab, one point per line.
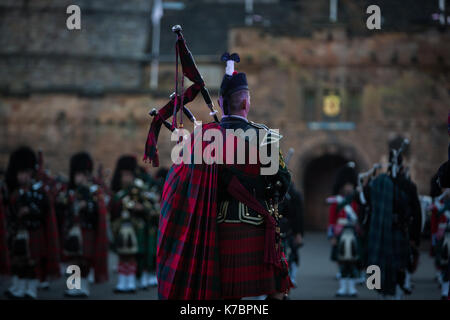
438	222
338	217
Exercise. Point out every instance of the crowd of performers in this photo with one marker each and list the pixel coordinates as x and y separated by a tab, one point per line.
378	218
48	223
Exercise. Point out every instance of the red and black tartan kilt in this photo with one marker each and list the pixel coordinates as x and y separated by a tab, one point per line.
89	244
38	250
242	268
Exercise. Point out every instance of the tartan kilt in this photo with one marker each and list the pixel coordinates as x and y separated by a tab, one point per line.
89	244
363	251
141	237
242	269
38	250
438	257
401	248
151	250
146	255
37	244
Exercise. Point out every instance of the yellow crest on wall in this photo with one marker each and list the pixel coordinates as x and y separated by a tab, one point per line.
332	105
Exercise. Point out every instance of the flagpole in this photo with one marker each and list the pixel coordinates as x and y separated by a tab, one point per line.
156	22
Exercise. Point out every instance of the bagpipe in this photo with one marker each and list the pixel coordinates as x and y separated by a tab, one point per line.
50	183
178	100
394	167
364	178
35	201
54	185
395	163
369	174
99	179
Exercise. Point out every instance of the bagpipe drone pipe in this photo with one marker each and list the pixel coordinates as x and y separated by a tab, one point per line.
177	101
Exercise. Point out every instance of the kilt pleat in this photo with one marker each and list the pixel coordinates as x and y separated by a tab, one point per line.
37	244
89	244
38	250
242	268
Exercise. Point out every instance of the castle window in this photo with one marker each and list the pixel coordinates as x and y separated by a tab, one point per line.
354	103
309	104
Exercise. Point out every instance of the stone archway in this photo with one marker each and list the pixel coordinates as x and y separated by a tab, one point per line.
317	184
319	167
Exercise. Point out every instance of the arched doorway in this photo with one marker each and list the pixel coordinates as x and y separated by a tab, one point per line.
318	179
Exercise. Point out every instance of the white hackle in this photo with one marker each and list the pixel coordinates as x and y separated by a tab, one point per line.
230	67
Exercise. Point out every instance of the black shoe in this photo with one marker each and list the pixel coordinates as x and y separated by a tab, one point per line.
120	291
13	297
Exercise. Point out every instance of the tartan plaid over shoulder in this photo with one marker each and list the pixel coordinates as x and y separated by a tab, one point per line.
387	246
101	243
187	251
52	237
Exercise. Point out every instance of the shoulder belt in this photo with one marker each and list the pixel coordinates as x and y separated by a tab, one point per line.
268	139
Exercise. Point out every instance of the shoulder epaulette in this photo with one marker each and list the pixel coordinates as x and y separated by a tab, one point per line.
258	125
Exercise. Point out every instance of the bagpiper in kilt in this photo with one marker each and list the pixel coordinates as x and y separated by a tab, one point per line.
84	215
219	234
31	226
440	235
291	226
343	230
241	228
443	180
394	224
134	223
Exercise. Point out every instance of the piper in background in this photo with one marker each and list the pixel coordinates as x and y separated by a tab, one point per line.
395	222
134	222
5	266
440	237
343	229
291	224
31	225
84	215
